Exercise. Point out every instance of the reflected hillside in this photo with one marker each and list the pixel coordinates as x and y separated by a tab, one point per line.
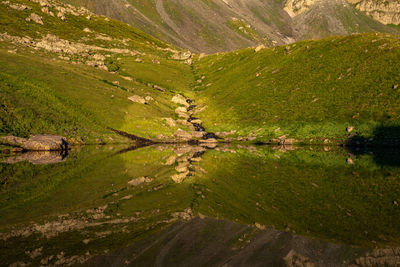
99	201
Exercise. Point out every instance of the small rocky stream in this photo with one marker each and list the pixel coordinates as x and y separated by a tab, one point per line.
187	118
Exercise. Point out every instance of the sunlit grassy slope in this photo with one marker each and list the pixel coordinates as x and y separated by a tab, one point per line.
41	93
305	90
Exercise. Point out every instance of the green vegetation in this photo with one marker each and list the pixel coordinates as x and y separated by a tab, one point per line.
310	89
297	191
46	91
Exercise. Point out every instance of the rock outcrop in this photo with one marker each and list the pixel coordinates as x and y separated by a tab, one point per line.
295	7
46	143
384	11
38	142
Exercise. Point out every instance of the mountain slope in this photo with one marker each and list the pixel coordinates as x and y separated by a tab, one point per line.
67	71
335	87
215	25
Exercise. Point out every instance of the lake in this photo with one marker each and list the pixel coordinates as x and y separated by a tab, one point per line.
225	205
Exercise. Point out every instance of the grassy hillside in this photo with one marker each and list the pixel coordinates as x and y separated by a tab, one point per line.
77	81
311	89
71	73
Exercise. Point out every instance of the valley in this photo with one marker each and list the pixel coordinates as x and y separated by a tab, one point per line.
202	133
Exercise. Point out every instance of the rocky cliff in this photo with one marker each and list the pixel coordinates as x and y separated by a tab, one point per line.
225	25
295	7
384	11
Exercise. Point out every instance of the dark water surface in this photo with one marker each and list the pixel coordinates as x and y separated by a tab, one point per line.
197	206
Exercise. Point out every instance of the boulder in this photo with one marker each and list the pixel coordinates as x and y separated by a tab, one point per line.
13	140
170	122
290	141
181	135
178	178
149	98
139	181
137	99
198	134
182	167
35	18
179	99
46	143
259	48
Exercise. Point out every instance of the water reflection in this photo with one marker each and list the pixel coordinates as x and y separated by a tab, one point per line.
37	157
202	205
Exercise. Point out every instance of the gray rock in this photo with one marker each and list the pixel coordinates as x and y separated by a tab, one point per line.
36	158
35	18
182	135
13	140
137	99
46	143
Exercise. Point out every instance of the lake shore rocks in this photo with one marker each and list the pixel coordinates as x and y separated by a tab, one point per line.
38	142
46	143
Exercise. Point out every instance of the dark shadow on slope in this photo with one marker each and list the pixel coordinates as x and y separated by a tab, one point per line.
383	145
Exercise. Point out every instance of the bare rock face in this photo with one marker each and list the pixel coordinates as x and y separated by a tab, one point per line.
295	7
45	143
384	11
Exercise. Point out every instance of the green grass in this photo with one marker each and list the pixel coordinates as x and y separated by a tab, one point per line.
36	99
42	94
311	89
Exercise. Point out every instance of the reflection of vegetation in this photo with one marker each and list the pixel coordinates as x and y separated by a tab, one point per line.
312	193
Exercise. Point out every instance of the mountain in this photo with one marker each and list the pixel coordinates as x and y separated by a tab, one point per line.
67	71
224	25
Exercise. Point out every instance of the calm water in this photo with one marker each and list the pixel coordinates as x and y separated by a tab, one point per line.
188	205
